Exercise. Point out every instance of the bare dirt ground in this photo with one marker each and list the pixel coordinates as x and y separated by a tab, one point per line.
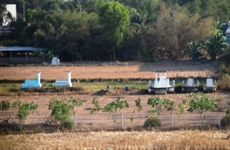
97	70
101	119
212	139
112	71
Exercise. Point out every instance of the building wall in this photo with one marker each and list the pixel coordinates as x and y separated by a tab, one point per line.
12	9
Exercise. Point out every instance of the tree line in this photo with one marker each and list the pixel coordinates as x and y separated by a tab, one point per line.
133	30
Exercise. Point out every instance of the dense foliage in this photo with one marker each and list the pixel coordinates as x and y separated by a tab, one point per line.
5	105
60	111
200	103
160	104
152	122
146	30
23	110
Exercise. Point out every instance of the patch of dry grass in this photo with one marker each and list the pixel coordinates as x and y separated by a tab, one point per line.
144	71
172	140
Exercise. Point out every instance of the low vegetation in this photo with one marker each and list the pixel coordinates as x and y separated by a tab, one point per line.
200	103
152	122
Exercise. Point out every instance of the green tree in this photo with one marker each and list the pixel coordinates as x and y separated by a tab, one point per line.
23	110
73	104
115	20
168	38
160	104
60	110
144	7
201	103
116	106
138	104
97	108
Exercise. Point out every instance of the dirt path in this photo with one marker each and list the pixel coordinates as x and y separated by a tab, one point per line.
106	71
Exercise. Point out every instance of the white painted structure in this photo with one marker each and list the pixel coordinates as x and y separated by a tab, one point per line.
34	83
190	85
55	61
209	87
161	84
10	8
64	82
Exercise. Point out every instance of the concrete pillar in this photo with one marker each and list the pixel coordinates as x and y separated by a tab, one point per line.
69	78
38	77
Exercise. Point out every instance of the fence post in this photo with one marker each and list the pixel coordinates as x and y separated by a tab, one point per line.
171	118
219	118
122	119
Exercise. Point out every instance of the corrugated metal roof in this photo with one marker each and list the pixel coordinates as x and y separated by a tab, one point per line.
20	48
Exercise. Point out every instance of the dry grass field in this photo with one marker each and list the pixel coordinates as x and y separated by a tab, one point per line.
85	138
111	71
145	140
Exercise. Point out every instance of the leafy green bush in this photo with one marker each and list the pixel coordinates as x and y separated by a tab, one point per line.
226	120
5	105
160	104
228	111
138	104
152	122
67	124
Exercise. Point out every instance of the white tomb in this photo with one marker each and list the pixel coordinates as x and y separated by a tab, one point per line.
55	61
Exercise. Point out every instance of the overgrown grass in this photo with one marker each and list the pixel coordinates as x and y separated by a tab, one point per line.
87	86
10	88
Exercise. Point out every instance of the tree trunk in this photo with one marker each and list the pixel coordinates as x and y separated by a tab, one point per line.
21	120
74	121
202	116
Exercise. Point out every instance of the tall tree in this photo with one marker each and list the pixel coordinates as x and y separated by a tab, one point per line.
115	19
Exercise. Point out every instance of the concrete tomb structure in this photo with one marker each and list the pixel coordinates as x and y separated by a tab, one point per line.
190	85
161	85
33	83
209	87
55	61
64	82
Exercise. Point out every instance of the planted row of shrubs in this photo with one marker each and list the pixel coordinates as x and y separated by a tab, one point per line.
61	110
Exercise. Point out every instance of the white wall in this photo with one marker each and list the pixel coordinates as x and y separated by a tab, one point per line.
12	9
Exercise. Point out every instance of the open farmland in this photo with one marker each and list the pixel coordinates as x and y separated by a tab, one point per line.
105	139
111	70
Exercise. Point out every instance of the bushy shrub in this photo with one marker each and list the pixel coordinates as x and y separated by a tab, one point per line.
228	111
67	124
224	82
152	122
226	120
